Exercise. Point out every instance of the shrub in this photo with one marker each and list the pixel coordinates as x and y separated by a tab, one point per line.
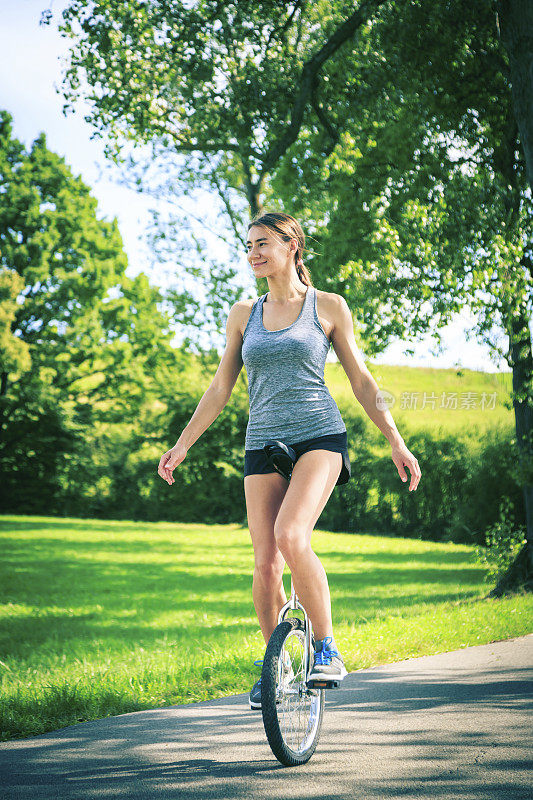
503	540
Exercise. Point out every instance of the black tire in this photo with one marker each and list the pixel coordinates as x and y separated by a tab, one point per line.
271	709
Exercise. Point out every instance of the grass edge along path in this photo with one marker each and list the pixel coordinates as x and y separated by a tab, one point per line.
106	617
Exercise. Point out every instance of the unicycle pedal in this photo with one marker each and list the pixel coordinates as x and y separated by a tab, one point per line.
322	684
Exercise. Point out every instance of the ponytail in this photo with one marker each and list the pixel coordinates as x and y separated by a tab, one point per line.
303	272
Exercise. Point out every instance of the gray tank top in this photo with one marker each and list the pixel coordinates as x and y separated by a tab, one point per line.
288	397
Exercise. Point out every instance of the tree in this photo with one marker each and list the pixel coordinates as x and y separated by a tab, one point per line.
348	115
515	17
220	91
85	344
434	173
14	353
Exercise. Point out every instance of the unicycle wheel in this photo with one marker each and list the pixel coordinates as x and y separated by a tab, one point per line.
292	712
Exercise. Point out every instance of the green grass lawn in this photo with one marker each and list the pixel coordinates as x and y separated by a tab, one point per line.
461	401
104	617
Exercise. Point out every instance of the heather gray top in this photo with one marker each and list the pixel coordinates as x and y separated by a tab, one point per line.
288	397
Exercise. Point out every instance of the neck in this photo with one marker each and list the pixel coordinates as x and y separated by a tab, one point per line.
282	293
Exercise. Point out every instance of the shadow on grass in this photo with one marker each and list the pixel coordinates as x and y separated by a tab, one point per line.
133	595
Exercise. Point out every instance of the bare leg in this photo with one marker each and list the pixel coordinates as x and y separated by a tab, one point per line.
264	495
311	586
313	479
269	597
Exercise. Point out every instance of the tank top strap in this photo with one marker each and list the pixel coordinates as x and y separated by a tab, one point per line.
258	308
254	320
308	311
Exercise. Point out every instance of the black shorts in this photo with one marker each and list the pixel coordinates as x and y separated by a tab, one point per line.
256	462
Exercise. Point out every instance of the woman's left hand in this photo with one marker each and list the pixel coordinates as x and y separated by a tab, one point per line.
403	457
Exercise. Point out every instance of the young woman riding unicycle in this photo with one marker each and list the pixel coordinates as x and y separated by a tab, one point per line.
283	338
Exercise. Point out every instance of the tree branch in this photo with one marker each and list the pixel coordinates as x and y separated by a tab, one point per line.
321	114
308	76
282	30
229	210
213	147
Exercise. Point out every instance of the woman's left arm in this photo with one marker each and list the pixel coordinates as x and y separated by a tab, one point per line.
367	391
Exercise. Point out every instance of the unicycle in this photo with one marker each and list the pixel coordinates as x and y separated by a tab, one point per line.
292	706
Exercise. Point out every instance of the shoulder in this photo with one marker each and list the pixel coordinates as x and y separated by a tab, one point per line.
241	306
239	313
329	298
328	309
334	306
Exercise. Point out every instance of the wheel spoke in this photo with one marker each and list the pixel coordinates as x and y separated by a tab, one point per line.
298	710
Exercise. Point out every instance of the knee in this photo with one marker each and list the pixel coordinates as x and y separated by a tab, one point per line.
269	570
290	540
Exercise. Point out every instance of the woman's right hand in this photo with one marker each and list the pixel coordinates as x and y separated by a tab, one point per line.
169	460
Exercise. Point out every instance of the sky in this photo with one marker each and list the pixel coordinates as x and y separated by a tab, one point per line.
30	71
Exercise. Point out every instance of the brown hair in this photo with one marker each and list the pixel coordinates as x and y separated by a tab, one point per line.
288	228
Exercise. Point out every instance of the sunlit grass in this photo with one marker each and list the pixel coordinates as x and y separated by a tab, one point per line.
423	397
104	617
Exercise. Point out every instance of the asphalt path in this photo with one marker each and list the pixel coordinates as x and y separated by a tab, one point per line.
454	725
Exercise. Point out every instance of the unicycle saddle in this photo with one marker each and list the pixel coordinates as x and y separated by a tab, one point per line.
281	456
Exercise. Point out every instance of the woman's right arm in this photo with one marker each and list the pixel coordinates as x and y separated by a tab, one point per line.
216	395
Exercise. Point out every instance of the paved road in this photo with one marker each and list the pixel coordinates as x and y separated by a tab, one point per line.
455	725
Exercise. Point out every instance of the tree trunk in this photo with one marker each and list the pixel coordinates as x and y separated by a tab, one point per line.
515	25
520	572
3	392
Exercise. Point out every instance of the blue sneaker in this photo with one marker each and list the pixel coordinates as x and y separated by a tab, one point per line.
328	664
255	694
287	675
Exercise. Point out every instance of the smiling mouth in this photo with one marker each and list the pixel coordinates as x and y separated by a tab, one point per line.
259	264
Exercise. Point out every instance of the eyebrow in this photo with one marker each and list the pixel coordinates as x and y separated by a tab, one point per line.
263	239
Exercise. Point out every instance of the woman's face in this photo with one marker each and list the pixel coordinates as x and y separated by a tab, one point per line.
267	252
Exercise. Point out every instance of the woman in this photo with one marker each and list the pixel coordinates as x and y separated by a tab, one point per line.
283	339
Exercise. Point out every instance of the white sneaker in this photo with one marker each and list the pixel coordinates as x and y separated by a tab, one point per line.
328	664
